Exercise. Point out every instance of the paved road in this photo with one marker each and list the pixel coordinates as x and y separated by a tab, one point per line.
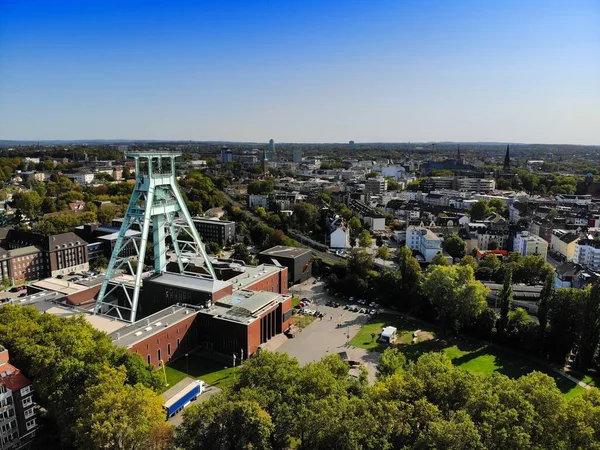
324	337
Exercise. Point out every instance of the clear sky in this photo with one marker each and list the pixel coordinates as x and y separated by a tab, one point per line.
301	71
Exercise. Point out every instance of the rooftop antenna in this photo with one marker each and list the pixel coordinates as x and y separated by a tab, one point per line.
156	206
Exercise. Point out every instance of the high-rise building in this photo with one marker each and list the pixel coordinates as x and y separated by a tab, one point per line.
226	155
351	145
271	154
297	156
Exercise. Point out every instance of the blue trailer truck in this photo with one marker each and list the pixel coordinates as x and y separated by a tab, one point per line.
180	395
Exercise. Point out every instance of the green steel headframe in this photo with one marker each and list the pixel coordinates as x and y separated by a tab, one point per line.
156	206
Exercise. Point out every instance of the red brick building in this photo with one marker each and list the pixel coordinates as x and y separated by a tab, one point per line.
225	317
17	410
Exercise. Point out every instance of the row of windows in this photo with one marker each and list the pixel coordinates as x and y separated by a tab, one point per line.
159	353
8	438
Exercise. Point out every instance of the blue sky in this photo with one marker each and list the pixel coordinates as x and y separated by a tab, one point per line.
310	71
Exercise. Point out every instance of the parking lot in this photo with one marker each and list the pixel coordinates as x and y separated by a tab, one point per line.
331	333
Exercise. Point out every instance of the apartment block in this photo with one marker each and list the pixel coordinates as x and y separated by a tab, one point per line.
18	421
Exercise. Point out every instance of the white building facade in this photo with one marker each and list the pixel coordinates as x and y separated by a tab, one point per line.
424	241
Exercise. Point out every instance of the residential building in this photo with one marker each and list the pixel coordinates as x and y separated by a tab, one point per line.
570	275
587	253
563	242
375	186
215	230
424	241
481	234
370	217
81	177
61	253
297	260
529	244
23	264
339	236
18	422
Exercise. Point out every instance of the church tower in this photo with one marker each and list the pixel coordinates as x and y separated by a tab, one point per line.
506	167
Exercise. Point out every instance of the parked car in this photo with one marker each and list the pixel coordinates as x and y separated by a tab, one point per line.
23	294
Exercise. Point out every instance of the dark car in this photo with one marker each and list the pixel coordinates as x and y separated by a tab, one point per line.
23	294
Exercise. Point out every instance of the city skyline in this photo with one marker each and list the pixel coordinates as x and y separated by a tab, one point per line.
301	72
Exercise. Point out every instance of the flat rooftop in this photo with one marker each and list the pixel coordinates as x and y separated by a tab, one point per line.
61	286
251	301
190	282
253	274
46	303
287	252
131	334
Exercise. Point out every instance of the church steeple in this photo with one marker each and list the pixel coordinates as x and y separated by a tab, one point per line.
507	159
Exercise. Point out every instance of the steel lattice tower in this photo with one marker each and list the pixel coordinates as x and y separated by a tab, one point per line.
156	204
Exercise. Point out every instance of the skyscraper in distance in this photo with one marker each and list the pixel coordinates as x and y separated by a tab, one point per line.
271	155
297	156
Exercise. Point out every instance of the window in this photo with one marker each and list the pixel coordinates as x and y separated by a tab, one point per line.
158	353
27	401
29	412
148	358
169	349
30	424
26	390
178	343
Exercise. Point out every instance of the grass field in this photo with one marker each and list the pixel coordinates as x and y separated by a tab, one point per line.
471	355
211	372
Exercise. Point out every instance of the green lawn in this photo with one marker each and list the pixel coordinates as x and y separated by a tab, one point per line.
405	325
468	354
211	372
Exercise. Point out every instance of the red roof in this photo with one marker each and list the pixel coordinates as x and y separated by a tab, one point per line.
15	381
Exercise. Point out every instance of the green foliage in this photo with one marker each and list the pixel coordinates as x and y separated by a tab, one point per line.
63	222
107	213
63	357
457	297
100	262
469	260
261	186
354	224
365	239
480	210
28	204
439	260
505	297
114	414
427	404
240	251
455	246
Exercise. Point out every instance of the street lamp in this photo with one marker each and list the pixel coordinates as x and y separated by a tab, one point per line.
187	366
